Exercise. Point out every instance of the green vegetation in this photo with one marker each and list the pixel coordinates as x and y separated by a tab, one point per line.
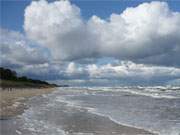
9	79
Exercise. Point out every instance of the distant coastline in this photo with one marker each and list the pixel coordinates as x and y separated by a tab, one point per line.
9	79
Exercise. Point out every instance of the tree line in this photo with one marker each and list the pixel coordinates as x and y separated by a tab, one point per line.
7	74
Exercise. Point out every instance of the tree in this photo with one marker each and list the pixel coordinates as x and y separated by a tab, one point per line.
7	74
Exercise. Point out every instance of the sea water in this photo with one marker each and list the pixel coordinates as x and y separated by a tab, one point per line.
155	109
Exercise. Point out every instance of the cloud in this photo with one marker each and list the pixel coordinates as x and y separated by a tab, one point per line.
124	72
19	54
59	26
128	69
140	46
140	34
147	30
118	73
16	51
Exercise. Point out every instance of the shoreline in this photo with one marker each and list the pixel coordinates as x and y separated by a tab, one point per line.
14	84
89	123
125	125
12	103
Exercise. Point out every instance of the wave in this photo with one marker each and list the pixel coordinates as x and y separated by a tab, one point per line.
168	92
153	94
78	105
81	106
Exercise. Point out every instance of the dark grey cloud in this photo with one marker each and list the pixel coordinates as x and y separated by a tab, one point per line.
170	58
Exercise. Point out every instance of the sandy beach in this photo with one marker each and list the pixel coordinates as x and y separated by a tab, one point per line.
12	103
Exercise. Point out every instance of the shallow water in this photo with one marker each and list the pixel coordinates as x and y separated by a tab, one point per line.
155	109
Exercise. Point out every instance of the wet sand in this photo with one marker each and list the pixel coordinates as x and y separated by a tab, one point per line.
12	102
84	122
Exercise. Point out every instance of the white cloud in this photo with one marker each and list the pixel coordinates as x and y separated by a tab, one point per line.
71	68
122	72
58	26
147	30
138	34
127	69
17	51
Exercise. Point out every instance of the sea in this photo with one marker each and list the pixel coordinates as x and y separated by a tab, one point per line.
154	109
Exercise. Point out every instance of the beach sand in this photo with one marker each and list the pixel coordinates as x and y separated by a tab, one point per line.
12	102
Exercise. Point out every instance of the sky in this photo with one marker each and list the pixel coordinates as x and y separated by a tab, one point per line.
92	43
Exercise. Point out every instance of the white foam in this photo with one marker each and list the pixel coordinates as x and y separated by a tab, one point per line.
82	134
74	104
37	127
154	92
151	94
18	132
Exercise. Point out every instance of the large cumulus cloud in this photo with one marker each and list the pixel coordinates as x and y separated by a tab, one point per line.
140	34
59	26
